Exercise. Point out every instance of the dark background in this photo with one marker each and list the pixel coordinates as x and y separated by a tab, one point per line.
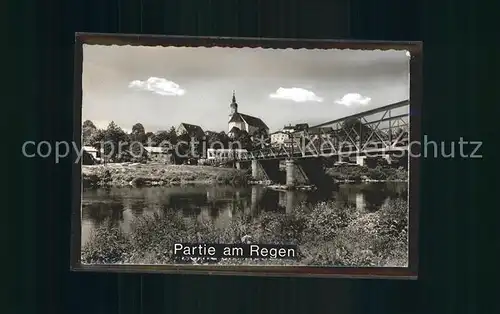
459	85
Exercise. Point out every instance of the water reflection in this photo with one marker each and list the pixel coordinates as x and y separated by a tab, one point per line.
221	203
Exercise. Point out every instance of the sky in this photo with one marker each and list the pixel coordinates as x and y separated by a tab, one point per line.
162	87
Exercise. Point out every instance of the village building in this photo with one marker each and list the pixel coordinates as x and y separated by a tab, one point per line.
288	129
225	154
90	155
288	134
211	134
94	152
159	154
279	138
243	122
191	129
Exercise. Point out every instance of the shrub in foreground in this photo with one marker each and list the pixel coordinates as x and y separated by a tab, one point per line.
107	244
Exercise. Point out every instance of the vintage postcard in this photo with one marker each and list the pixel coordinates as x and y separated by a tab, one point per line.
219	155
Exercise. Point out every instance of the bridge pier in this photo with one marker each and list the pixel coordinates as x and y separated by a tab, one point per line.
306	171
241	164
290	172
295	174
255	169
265	170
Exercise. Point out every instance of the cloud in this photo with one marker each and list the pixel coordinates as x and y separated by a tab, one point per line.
295	94
159	86
353	99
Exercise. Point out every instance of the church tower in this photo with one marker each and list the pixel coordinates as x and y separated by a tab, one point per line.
233	107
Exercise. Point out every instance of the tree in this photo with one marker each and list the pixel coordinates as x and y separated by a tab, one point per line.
172	134
260	138
138	133
97	138
137	153
165	138
88	129
115	142
183	148
149	136
224	139
242	140
217	140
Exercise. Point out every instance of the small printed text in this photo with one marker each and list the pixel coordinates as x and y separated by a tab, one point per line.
235	250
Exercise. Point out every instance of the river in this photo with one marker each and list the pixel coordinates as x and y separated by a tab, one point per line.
221	203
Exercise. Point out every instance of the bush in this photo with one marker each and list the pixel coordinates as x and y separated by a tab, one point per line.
326	219
356	173
107	245
377	174
393	224
155	235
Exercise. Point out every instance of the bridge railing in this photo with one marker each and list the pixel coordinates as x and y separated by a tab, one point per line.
350	135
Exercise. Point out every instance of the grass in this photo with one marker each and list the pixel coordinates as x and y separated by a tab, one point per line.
159	175
326	235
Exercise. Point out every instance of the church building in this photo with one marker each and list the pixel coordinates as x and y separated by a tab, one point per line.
243	122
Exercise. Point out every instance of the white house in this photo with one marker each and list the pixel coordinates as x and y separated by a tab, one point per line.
94	152
279	138
224	154
288	135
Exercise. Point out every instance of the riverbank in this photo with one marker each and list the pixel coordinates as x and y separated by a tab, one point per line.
140	175
326	234
355	174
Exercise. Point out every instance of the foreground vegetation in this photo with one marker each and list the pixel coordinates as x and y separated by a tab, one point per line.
326	235
126	174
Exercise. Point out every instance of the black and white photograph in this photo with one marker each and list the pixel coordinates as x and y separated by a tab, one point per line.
267	157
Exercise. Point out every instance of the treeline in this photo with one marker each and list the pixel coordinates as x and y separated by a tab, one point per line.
118	145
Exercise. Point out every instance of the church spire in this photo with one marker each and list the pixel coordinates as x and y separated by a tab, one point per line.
233	106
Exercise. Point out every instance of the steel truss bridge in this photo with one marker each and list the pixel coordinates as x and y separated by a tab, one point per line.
375	132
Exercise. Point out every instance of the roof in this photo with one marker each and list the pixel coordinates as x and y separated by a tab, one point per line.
241	150
320	130
236	118
89	149
302	126
192	129
157	150
252	121
234	130
278	132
